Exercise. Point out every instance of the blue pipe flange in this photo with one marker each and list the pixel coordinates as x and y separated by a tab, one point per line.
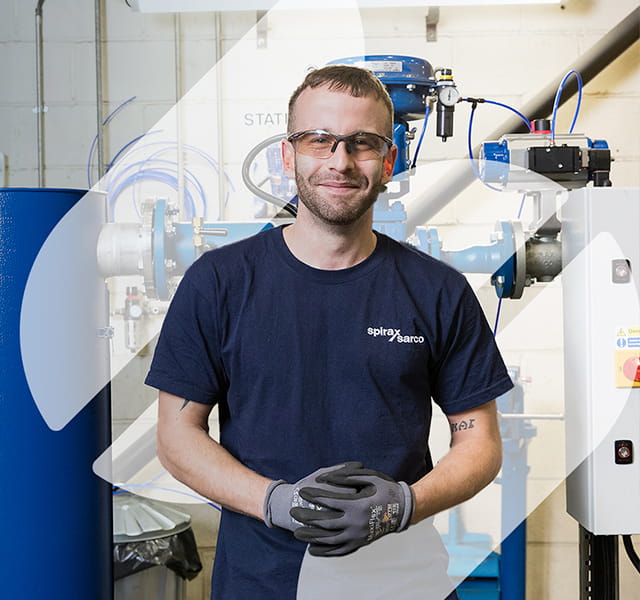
428	241
510	278
434	242
154	245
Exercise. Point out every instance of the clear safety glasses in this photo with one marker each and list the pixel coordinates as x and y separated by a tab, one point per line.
322	144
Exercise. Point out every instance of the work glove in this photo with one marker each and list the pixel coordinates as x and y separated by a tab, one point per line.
281	497
351	519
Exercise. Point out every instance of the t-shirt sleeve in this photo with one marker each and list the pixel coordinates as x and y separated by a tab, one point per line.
187	361
470	369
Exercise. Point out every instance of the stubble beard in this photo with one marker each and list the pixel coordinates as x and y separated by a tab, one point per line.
336	212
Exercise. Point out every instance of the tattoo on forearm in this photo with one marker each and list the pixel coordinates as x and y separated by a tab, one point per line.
462	425
184	404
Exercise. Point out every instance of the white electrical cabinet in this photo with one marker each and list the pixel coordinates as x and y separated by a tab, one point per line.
600	283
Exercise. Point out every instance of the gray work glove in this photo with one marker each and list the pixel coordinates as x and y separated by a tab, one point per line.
351	519
281	497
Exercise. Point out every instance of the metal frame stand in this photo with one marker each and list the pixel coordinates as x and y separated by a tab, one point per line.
598	566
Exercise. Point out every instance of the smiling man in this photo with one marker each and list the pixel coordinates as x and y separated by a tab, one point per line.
339	179
324	344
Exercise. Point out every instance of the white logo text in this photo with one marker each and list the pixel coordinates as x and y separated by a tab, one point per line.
395	335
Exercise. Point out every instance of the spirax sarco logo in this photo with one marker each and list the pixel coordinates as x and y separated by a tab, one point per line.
395	335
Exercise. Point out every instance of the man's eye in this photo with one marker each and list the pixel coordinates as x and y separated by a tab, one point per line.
319	140
362	142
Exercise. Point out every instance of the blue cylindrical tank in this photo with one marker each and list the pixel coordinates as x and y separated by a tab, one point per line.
56	514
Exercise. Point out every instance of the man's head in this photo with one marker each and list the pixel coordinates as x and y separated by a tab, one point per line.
339	174
348	79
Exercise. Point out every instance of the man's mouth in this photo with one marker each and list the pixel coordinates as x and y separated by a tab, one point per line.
339	184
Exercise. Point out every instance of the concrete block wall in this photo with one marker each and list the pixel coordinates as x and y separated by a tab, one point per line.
226	107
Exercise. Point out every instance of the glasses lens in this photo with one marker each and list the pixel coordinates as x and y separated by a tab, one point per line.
315	143
321	144
365	146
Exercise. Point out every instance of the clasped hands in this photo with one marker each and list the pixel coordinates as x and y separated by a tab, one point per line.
339	509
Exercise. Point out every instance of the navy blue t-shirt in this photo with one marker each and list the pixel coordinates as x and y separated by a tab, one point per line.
310	368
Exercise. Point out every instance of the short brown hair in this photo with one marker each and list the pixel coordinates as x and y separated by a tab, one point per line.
356	81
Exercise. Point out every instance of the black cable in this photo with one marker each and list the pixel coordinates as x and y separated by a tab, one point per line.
631	551
246	176
606	567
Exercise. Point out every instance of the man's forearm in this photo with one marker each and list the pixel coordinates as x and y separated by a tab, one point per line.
473	461
188	452
456	478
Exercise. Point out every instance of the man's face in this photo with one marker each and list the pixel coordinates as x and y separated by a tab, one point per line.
338	190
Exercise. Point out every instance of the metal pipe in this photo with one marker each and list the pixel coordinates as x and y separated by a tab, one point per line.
40	93
220	116
177	52
99	93
592	62
518	416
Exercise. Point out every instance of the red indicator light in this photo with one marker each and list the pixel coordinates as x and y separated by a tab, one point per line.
624	452
622	271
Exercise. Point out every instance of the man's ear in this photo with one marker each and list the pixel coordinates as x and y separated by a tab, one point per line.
388	162
288	158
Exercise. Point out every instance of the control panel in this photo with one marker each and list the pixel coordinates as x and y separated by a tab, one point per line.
600	283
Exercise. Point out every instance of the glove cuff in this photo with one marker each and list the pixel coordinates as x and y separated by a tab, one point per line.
409	504
266	508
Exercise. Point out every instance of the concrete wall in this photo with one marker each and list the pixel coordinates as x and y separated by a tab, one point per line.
227	106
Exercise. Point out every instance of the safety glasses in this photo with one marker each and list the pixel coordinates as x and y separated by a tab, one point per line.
319	143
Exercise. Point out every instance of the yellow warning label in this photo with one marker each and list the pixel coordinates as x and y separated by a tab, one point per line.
627	367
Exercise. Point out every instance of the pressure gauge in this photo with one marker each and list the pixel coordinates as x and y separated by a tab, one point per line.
448	95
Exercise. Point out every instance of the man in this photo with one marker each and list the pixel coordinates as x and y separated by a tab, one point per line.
323	343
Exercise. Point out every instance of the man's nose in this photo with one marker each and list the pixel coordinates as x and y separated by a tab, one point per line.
341	158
